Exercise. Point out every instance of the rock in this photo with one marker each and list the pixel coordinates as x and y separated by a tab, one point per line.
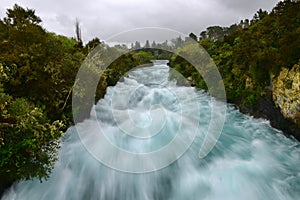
266	108
286	93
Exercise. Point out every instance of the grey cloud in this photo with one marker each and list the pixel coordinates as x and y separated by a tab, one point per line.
246	5
107	17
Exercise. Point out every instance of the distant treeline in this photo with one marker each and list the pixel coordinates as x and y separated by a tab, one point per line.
250	54
38	70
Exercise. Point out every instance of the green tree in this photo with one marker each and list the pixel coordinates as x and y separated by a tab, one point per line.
137	45
153	45
19	17
203	35
147	44
193	36
215	32
28	140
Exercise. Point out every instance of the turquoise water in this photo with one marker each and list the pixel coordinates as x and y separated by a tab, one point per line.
144	113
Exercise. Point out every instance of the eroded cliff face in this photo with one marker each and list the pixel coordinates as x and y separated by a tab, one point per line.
286	93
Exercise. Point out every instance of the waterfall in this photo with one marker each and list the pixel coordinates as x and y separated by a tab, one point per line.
147	114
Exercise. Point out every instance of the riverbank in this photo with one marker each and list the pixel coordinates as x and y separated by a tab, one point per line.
265	108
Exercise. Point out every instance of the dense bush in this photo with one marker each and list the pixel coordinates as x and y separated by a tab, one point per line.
38	70
248	55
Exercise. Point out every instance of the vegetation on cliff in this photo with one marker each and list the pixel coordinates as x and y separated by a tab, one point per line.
38	70
286	93
37	75
250	54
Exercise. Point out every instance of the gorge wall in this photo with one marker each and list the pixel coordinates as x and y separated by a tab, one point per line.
286	93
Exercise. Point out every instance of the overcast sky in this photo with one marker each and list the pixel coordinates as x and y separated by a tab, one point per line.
103	18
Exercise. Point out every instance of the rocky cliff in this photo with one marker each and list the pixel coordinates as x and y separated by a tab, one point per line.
286	93
280	103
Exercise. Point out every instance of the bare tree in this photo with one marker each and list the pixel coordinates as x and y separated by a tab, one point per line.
78	31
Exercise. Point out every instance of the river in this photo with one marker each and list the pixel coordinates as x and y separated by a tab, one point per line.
153	130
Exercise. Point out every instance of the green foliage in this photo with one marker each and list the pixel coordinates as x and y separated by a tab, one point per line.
28	141
19	17
18	108
38	61
250	53
66	42
38	71
193	36
92	44
143	57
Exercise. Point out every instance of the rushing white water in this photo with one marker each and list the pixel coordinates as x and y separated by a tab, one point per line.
251	160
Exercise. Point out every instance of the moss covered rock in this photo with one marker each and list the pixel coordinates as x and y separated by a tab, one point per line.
286	93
